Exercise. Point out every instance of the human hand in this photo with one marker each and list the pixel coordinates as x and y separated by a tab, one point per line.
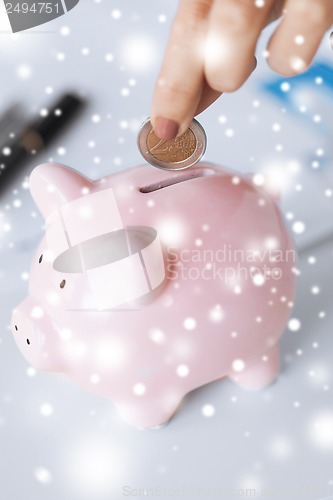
211	50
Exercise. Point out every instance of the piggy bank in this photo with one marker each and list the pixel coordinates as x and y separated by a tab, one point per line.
149	284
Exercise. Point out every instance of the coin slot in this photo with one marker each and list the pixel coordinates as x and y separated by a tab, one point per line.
188	176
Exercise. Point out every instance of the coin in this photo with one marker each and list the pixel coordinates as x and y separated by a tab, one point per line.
177	154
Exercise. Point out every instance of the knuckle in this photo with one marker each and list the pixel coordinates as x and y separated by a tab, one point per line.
238	15
172	89
200	9
191	16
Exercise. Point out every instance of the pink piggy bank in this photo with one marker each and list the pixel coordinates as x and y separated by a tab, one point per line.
149	284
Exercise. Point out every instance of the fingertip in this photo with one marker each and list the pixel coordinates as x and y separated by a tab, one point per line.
165	128
288	68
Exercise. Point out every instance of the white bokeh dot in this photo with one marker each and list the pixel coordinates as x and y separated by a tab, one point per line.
46	409
157	336
258	179
298	227
321	431
238	365
139	389
285	86
258	279
208	410
299	39
24	71
116	14
95	378
281	447
65	30
6	151
190	324
294	324
37	312
183	370
43	475
216	314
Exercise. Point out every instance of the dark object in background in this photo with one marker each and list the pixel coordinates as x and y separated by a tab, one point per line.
36	136
24	15
12	122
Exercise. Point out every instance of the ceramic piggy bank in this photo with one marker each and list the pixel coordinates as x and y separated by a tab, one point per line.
149	284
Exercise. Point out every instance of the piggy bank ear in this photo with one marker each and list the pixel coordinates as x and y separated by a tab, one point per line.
53	185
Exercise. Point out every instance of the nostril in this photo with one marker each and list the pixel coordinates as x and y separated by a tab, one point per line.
62	284
40	259
16	328
28	341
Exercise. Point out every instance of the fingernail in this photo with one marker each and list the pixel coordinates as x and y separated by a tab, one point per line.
165	129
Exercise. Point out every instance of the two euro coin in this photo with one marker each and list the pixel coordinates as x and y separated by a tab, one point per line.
176	154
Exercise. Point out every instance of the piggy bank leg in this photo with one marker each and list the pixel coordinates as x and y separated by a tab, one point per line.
148	414
260	373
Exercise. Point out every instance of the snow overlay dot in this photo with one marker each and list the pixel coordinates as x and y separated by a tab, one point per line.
46	410
297	64
294	324
321	431
116	14
258	279
65	31
37	312
190	323
183	370
208	410
43	475
299	39
216	314
24	71
285	86
95	378
139	389
238	365
157	336
298	227
258	180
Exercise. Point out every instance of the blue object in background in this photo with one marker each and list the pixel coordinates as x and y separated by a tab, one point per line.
301	98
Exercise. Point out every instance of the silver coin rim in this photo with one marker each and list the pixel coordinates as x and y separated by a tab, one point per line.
200	148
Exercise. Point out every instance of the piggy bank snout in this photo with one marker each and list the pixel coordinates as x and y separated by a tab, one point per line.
22	329
34	335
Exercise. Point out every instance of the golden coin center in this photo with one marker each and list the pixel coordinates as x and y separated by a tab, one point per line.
174	151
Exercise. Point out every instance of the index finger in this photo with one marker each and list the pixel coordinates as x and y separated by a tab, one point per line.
179	86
